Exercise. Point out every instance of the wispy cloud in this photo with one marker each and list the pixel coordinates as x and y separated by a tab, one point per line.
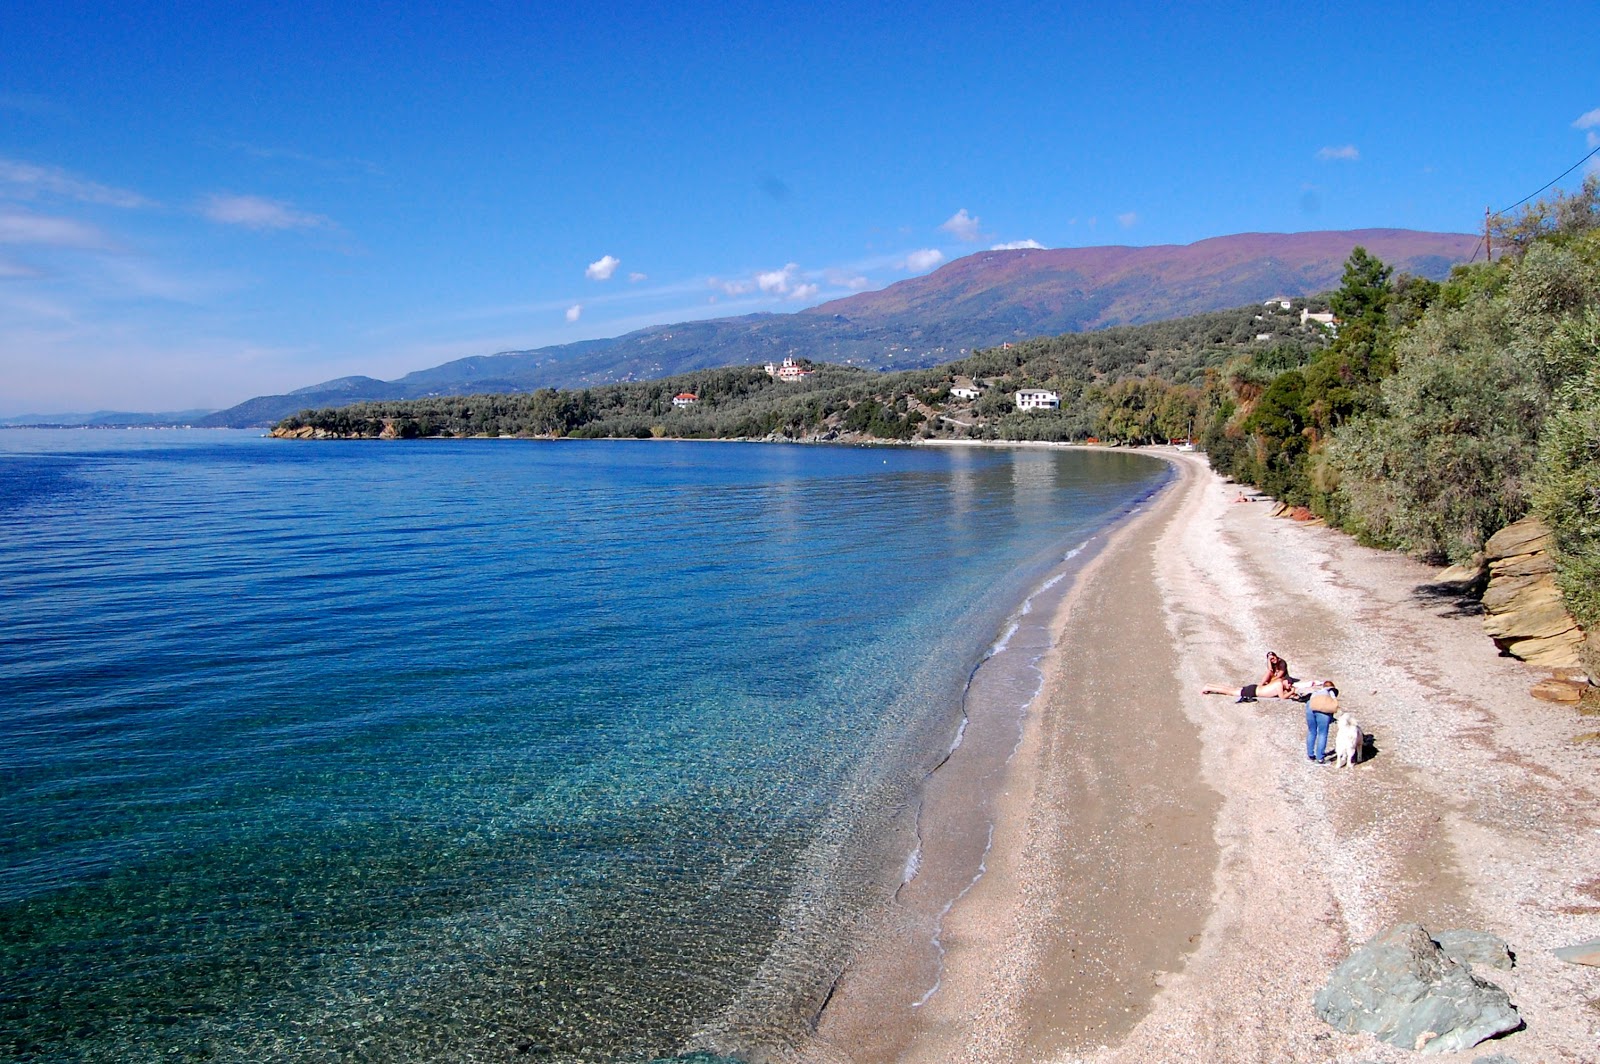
319	162
1590	123
1018	245
855	282
29	181
602	268
963	227
635	278
924	259
21	227
1347	153
574	312
1128	219
258	212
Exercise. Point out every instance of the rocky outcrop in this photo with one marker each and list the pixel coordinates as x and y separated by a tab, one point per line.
1524	612
304	432
1406	990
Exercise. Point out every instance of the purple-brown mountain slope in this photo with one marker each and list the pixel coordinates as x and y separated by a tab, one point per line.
972	302
1103	286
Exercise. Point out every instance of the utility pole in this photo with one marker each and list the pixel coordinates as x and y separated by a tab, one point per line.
1488	241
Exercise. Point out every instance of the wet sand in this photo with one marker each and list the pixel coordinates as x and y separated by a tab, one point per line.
1169	879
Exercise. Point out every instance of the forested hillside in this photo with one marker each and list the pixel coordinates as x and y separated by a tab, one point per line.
1443	412
1136	383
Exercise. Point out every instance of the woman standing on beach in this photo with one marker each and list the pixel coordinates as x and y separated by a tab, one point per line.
1320	708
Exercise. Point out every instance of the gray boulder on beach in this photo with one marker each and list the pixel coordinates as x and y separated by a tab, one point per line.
1475	947
1404	989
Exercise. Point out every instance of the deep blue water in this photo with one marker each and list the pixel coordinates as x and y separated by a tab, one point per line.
478	750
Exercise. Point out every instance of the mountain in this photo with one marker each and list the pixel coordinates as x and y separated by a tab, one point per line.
976	301
106	419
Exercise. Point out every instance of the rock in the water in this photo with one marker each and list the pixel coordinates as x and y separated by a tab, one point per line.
1582	953
1402	988
1475	947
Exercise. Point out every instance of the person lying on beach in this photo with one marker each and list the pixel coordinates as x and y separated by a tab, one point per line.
1277	683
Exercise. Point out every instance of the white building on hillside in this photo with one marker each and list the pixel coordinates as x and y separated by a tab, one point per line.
683	399
789	371
1037	399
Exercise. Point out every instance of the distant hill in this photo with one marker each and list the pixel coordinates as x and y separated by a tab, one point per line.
976	301
106	419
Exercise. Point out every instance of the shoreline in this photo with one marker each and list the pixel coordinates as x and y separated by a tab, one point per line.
1170	879
880	1010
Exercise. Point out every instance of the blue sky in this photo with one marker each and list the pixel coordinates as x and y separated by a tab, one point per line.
203	203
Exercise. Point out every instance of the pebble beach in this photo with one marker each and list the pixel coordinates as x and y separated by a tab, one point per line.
1168	878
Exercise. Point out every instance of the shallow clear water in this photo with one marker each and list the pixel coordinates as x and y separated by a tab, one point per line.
478	749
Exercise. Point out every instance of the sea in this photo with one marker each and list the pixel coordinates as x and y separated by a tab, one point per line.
480	750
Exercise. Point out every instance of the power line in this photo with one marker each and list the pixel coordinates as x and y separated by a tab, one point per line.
1558	177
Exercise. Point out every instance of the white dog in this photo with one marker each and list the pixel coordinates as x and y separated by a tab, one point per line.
1347	743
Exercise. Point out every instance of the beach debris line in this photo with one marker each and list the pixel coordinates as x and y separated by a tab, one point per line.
1408	989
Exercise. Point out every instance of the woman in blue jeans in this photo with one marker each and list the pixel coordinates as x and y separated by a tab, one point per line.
1320	708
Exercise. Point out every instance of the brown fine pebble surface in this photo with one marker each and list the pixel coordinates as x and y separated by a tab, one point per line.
1169	879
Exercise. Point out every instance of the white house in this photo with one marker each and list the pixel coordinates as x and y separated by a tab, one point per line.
1281	302
1325	319
789	371
1037	399
964	389
683	399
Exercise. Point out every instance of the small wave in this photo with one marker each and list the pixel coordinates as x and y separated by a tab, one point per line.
913	865
938	941
961	733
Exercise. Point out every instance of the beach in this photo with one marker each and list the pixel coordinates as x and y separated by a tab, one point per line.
1166	877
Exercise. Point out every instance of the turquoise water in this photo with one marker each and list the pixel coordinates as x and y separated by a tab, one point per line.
479	750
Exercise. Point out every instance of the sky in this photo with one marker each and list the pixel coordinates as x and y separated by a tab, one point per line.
201	203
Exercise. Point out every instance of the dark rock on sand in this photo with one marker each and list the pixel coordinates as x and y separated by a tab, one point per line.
1475	947
1404	989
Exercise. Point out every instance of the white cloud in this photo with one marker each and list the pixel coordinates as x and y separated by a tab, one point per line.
1343	153
925	259
20	227
846	279
1128	219
1018	245
602	268
9	269
257	212
574	312
29	180
1591	123
778	282
734	288
804	291
962	226
635	278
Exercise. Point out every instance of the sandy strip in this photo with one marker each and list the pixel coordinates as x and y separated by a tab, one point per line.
1169	878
